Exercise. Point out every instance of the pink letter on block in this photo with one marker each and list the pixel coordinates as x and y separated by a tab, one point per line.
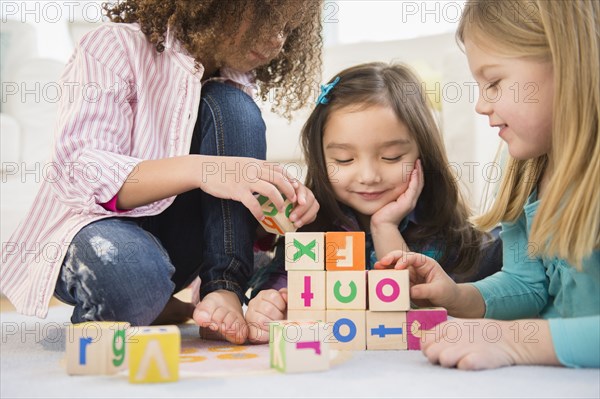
307	295
395	290
419	321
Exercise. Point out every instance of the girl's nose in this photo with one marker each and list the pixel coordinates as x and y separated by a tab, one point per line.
369	173
483	106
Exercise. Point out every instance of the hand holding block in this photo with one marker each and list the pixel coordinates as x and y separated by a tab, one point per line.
154	354
96	347
386	330
421	322
276	222
298	346
304	251
344	250
306	290
346	290
388	290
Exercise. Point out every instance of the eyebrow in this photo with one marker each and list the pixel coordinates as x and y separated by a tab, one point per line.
346	146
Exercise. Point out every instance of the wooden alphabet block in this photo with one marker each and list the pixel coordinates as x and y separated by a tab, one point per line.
422	322
306	315
96	347
298	346
346	290
276	222
388	290
347	329
386	330
304	251
154	354
345	250
306	290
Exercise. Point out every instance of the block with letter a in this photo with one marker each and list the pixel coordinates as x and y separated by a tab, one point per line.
154	354
421	323
344	250
276	222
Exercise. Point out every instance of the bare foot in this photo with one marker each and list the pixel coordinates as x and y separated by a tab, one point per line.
219	316
175	312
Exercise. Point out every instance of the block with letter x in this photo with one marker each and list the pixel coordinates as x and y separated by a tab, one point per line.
304	251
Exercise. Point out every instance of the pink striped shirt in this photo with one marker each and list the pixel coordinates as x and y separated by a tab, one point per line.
122	103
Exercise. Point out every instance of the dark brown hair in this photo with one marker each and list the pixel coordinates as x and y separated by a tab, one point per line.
441	209
200	24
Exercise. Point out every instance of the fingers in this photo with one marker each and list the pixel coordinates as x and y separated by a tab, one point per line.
389	260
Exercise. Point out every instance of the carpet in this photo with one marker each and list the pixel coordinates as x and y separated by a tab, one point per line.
32	355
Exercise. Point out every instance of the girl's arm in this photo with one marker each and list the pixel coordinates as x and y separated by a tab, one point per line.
384	223
153	180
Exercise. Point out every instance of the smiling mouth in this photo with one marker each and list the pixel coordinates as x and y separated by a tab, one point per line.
370	195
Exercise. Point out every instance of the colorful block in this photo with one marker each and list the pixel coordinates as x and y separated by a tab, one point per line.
306	290
298	346
306	315
346	290
388	290
276	222
154	354
422	322
345	250
304	251
386	330
347	329
96	347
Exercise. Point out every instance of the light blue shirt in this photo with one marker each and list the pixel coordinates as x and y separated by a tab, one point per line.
548	288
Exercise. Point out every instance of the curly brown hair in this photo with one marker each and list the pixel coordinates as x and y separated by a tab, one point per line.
199	25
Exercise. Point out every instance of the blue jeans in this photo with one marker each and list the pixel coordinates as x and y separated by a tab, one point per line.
126	269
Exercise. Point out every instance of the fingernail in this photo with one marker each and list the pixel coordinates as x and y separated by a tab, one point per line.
293	217
298	224
203	315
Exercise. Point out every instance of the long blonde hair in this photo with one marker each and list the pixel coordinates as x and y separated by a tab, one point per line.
566	33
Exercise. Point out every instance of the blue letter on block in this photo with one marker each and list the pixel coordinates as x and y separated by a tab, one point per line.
83	343
382	331
351	334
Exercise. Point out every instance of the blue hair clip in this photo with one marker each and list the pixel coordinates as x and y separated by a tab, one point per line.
325	89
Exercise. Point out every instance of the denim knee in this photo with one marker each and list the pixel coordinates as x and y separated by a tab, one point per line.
231	123
115	271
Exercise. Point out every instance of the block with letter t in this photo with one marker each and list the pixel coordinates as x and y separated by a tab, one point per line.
386	330
306	289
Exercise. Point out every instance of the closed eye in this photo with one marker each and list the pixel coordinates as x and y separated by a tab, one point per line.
343	161
393	159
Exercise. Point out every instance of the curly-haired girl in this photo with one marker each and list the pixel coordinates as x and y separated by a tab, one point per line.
158	153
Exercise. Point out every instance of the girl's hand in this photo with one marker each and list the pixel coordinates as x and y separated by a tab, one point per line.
238	178
267	306
430	285
394	212
476	344
306	208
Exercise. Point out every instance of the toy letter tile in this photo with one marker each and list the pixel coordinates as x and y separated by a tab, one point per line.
154	354
306	290
386	330
304	251
96	347
346	290
276	222
344	251
347	329
388	290
298	346
421	323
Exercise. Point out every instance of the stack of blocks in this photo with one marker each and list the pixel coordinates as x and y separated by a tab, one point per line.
152	353
328	282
